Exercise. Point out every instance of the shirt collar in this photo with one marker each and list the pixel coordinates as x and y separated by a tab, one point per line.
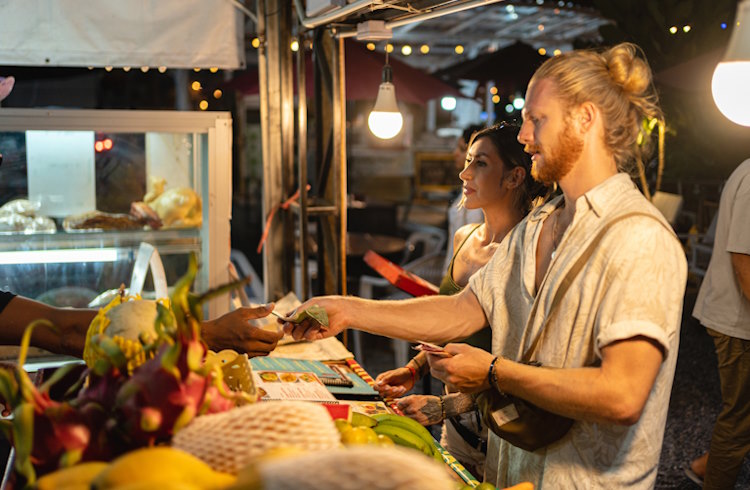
597	199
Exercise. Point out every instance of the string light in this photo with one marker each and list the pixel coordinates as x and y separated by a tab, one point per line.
686	28
196	85
371	46
673	30
542	51
459	49
203	105
508	108
255	43
213	69
294	46
144	69
107	68
389	48
495	99
723	25
424	49
556	52
493	90
126	69
406	50
90	68
540	27
196	70
217	94
162	69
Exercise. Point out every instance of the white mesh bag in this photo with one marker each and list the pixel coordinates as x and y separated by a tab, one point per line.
354	468
228	441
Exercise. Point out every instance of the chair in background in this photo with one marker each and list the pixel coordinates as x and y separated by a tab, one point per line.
668	204
424	255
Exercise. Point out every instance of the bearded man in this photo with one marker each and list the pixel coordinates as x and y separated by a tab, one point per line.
591	283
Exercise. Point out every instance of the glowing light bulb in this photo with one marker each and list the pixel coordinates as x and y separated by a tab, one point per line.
371	46
406	50
203	105
385	120
424	49
459	49
732	75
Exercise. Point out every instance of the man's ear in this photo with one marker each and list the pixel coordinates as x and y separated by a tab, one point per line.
515	177
586	115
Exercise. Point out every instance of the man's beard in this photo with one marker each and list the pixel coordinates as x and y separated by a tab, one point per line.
559	159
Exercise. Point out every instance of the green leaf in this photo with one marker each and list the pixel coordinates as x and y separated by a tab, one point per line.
23	438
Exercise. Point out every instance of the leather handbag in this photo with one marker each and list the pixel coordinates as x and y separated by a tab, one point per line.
516	420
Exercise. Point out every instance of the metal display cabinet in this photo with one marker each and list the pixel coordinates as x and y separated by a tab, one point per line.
61	161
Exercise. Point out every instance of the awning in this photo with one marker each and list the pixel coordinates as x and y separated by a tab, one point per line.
135	33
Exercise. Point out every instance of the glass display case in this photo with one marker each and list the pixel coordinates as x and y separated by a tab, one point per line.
81	189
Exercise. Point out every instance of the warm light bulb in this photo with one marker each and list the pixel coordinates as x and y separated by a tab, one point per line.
493	90
144	69
385	125
673	30
406	50
729	86
196	85
731	79
495	99
107	68
162	69
255	42
203	105
542	51
389	48
126	69
371	46
385	120
213	69
459	49
218	93
424	49
557	52
295	46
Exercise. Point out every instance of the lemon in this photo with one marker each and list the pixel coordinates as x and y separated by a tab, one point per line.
159	466
384	440
359	435
78	475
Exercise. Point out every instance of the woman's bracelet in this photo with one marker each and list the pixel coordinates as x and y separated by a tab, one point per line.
413	373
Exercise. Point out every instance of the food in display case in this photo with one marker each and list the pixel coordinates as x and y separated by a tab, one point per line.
83	188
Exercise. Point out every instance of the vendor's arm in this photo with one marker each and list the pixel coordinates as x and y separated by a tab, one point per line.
230	331
67	338
431	318
741	266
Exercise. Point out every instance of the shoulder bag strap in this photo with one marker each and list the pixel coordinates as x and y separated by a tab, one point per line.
573	273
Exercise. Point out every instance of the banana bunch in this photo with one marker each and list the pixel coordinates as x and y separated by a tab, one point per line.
408	433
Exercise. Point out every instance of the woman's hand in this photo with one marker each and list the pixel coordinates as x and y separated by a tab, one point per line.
425	409
394	383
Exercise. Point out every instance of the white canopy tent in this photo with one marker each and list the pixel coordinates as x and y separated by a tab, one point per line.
134	33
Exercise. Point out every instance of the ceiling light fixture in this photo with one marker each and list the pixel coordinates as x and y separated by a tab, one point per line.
732	75
385	120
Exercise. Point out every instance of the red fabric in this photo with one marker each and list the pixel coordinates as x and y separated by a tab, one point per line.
396	275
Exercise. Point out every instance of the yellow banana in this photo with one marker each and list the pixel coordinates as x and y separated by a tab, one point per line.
408	424
403	437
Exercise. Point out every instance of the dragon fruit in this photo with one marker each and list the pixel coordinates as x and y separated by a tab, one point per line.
116	411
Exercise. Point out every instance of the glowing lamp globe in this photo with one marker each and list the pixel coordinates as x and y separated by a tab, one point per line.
385	119
730	84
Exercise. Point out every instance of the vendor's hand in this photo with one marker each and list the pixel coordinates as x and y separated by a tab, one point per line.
425	409
309	329
394	383
466	369
232	331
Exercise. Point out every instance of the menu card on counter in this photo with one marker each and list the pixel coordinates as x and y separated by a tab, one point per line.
287	385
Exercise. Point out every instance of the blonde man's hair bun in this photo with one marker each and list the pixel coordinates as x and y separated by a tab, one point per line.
628	70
